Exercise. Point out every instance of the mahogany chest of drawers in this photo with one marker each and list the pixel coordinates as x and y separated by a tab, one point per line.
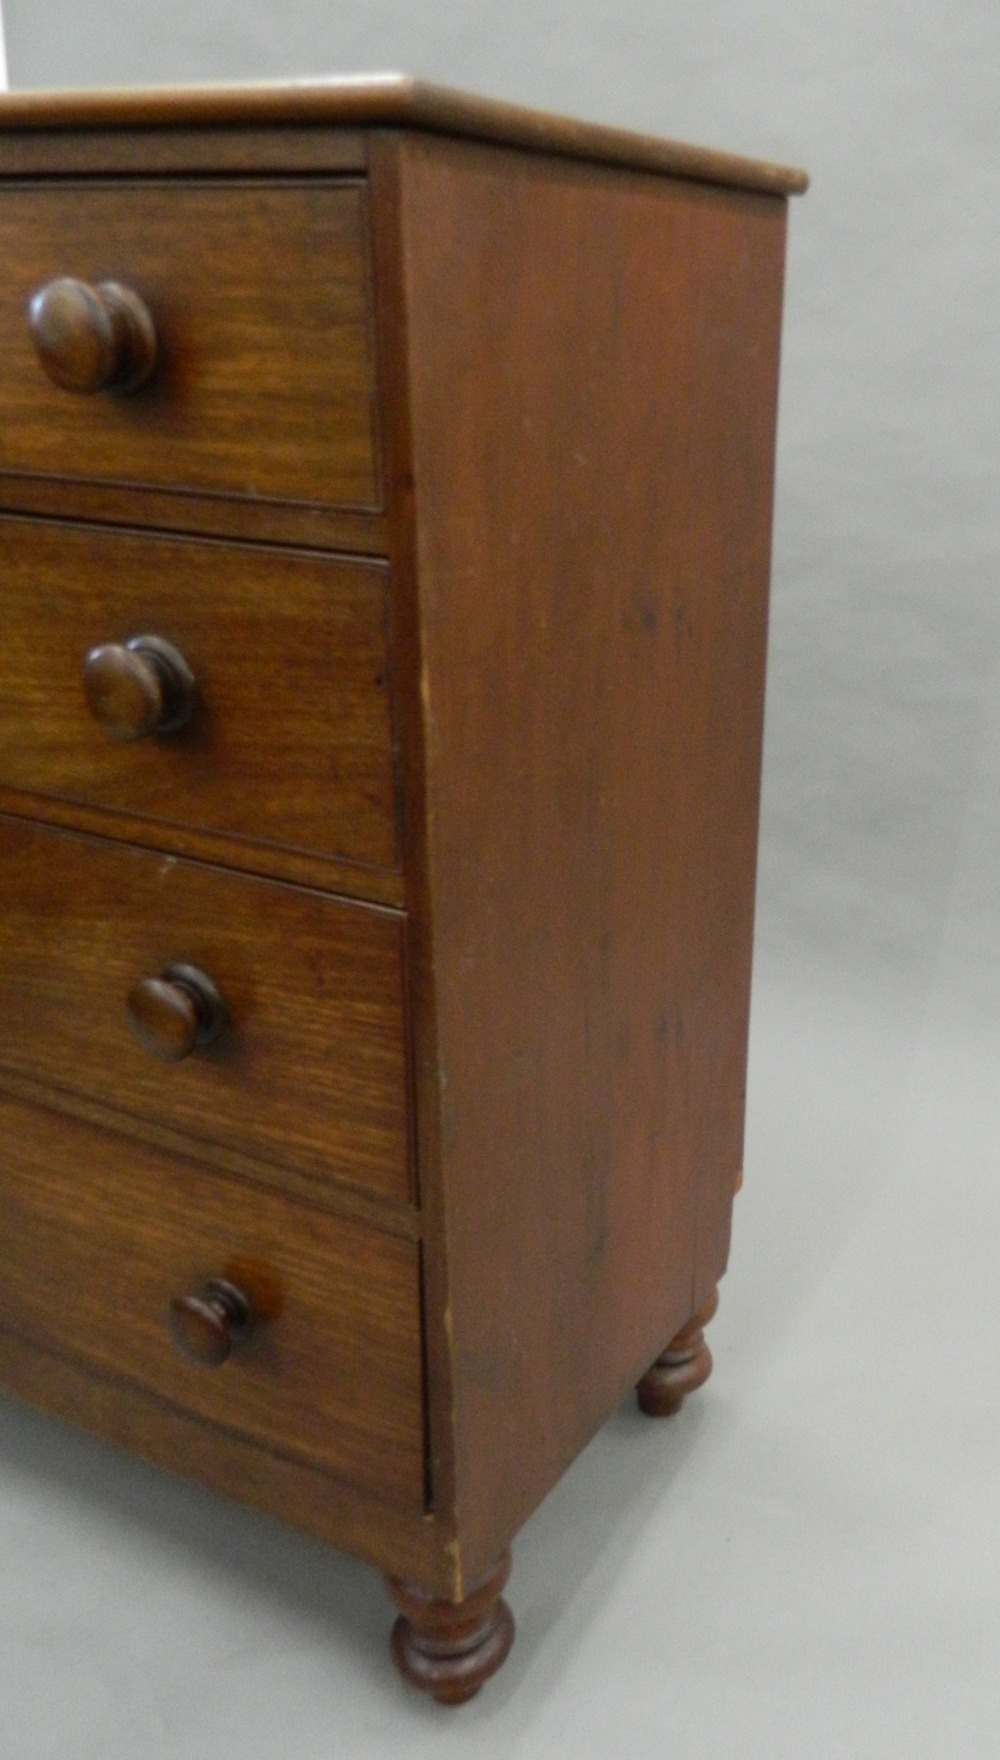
385	501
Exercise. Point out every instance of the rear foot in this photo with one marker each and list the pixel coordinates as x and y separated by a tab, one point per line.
684	1365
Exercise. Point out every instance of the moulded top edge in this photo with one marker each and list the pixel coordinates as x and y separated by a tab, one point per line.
388	100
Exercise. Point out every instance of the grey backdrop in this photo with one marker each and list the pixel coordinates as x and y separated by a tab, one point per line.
807	1563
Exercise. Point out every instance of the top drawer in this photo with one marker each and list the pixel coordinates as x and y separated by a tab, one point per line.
259	297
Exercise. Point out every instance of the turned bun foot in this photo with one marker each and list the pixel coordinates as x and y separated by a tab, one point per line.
446	1648
684	1365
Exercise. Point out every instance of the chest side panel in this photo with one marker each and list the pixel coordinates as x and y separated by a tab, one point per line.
592	382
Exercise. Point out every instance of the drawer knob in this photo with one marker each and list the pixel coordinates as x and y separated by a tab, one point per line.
206	1326
92	338
175	1013
138	687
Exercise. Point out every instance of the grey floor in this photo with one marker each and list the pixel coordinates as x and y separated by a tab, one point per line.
803	1563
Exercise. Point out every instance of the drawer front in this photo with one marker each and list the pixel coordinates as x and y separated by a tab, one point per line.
259	296
99	1236
289	742
309	1071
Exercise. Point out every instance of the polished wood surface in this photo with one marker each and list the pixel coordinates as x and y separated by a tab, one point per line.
376	1209
98	1236
359	532
348	1515
289	740
383	886
30	152
592	538
392	315
387	100
311	1071
263	387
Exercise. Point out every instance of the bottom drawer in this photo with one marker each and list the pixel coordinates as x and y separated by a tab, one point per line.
98	1235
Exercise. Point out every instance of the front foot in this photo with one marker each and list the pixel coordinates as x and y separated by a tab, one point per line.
448	1649
684	1365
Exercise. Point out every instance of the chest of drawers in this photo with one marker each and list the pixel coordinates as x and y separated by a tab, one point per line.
385	500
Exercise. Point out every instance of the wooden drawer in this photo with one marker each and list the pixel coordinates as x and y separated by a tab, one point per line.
290	740
98	1235
259	295
309	1074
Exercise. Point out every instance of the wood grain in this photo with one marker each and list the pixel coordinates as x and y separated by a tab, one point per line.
263	386
83	151
394	393
129	1417
393	101
593	366
290	742
97	1236
179	510
390	1215
347	879
311	1071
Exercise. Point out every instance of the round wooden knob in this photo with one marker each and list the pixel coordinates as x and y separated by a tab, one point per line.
138	687
92	338
175	1013
206	1326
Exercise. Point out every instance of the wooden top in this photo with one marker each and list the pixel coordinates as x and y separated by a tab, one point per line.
393	100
